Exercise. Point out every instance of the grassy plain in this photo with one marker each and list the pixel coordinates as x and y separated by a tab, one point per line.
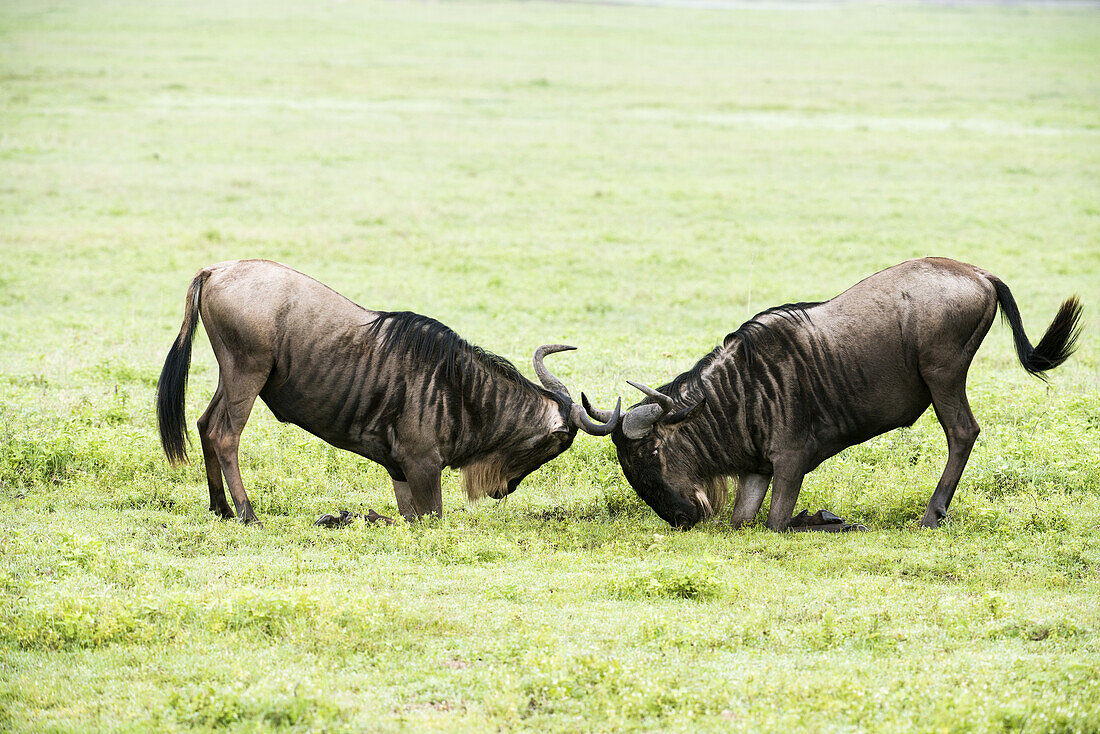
635	181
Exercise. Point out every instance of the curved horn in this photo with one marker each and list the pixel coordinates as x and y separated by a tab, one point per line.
639	421
551	383
601	415
663	400
576	413
586	424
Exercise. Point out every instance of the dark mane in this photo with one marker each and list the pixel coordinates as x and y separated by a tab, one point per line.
748	334
433	343
675	388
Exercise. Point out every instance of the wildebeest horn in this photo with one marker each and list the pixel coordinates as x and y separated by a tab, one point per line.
639	421
663	400
586	424
576	414
597	413
548	380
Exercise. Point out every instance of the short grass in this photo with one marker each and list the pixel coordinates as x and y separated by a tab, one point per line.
632	180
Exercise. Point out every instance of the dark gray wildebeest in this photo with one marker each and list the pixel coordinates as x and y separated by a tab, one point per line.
398	388
799	383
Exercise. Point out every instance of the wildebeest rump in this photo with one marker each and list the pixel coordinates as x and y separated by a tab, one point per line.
799	383
396	387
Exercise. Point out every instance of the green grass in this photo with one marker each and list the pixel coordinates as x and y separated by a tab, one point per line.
634	181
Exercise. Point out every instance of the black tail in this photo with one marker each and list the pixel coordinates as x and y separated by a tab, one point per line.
172	385
1057	344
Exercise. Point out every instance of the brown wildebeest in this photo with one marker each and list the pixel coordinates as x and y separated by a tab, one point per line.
398	388
799	383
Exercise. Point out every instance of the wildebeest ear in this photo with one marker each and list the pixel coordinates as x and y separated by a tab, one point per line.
686	414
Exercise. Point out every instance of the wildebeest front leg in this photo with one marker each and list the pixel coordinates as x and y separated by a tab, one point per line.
405	504
421	494
751	489
786	484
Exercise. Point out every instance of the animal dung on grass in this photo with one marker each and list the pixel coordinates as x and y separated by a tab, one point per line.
799	383
822	521
346	517
396	387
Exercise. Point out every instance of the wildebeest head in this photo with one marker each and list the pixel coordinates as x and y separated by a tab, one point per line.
658	458
499	474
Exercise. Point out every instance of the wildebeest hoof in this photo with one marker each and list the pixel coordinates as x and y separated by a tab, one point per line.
222	511
932	522
822	521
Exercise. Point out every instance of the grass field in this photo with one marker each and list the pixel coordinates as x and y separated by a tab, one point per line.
635	181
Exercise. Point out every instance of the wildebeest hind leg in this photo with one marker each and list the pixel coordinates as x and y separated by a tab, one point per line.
226	425
218	502
960	427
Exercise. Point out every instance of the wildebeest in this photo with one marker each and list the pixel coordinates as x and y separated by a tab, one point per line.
396	387
799	383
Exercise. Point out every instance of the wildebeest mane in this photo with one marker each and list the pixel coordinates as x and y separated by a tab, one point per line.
432	342
748	335
753	330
